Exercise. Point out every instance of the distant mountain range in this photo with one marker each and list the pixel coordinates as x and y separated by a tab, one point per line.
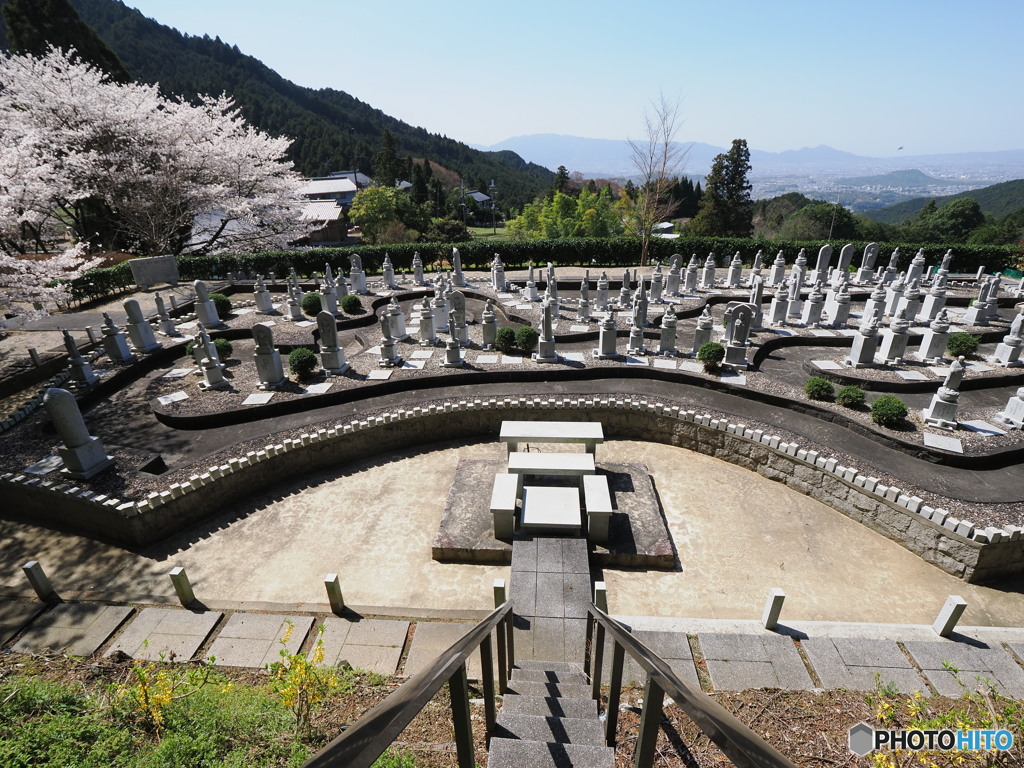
610	158
997	200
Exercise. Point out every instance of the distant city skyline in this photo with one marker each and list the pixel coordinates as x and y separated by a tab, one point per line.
872	78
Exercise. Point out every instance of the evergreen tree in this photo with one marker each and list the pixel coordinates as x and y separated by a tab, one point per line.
35	25
386	165
726	209
561	179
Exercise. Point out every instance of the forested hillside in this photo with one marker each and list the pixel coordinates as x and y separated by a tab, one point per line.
997	200
331	129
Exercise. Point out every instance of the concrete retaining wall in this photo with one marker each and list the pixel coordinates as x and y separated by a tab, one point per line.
956	546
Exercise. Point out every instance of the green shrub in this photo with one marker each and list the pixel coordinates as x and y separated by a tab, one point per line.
223	347
302	362
888	411
351	305
819	388
222	304
311	304
850	396
526	339
711	354
962	344
505	340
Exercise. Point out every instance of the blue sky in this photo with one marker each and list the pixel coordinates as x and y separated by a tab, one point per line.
931	76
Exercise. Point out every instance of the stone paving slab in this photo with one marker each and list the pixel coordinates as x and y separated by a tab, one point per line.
957	667
432	638
77	629
738	662
372	644
165	634
673	647
255	639
853	663
574	556
14	615
523	591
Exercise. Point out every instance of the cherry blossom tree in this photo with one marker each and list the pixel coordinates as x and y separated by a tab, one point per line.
122	167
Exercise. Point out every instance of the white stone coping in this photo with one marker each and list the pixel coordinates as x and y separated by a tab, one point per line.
831	465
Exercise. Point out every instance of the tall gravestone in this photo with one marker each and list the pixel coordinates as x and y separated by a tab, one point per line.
583	311
601	304
269	367
546	344
866	273
624	292
166	325
777	275
264	304
531	293
702	331
114	342
778	310
690	278
396	320
389	357
607	338
674	279
453	350
941	412
206	310
356	275
1007	352
82	454
459	278
82	373
820	273
755	270
811	315
329	292
332	356
457	301
707	277
139	330
1012	415
657	284
894	340
837	307
739	319
489	325
417	269
388	270
874	307
934	301
734	277
842	269
934	340
667	340
498	281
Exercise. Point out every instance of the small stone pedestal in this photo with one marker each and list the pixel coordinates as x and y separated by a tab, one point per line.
332	360
865	345
264	304
942	411
453	355
607	338
428	337
1008	352
736	356
206	313
545	352
388	357
213	373
1012	416
636	344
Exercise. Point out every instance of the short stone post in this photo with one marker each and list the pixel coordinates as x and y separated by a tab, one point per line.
601	595
950	614
35	357
702	333
91	333
667	342
82	454
607	338
182	586
40	581
772	608
499	592
333	585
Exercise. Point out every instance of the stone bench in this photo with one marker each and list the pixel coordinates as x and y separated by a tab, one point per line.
597	501
503	504
589	433
551	464
551	509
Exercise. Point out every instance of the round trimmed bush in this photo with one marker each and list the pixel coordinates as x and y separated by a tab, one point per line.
351	305
888	411
711	354
223	347
312	304
819	388
850	396
962	344
505	340
302	362
526	339
222	304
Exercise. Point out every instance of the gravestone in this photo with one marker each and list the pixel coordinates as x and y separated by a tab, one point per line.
210	365
264	304
916	270
941	412
755	270
777	275
674	279
546	344
601	305
893	293
583	311
890	272
459	279
657	284
866	273
811	316
453	351
439	309
388	270
498	282
139	330
396	320
910	301
329	292
842	270
1007	352
739	319
1012	415
332	356
794	308
607	338
820	273
114	342
293	304
489	325
707	277
417	269
293	279
269	367
865	344
934	301
978	312
82	454
734	277
635	345
166	325
894	340
552	285
667	341
779	307
837	306
457	304
874	307
799	270
206	311
690	278
531	286
427	334
154	270
356	275
625	296
933	342
82	373
702	332
756	298
389	357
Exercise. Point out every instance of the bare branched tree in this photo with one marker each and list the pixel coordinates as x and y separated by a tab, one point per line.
658	160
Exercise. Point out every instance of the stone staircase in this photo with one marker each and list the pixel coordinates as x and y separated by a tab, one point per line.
548	718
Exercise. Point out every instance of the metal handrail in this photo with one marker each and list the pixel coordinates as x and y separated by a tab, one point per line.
740	744
366	740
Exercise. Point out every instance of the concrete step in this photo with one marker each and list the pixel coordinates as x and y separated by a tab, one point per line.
516	753
554	666
561	690
547	676
549	706
563	730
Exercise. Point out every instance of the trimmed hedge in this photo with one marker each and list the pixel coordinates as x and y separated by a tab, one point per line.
888	411
819	388
711	355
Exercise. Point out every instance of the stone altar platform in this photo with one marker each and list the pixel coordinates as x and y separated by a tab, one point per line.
638	535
